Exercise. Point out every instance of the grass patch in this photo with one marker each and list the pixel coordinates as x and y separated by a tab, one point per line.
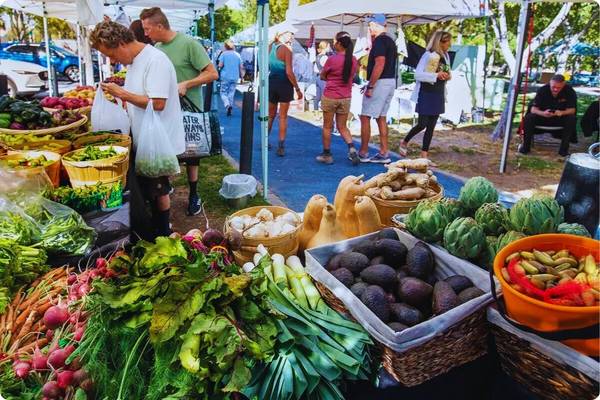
212	171
450	167
532	163
458	149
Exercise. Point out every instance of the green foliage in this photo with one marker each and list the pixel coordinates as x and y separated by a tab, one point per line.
26	27
277	10
228	22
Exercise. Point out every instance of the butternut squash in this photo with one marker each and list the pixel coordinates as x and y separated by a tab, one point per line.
311	220
368	216
329	229
348	189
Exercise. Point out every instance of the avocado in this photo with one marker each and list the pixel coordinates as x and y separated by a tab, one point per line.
391	298
420	261
387	233
406	314
431	279
344	276
358	288
393	251
366	247
380	274
444	298
459	283
374	298
354	262
425	309
400	274
377	260
334	262
469	294
414	291
397	326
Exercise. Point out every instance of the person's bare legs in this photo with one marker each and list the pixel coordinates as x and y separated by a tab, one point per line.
272	114
283	117
341	121
365	134
192	173
383	135
327	127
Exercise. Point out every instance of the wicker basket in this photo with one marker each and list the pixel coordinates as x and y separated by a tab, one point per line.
123	140
48	131
453	343
522	358
388	208
52	170
285	245
63	146
107	170
87	110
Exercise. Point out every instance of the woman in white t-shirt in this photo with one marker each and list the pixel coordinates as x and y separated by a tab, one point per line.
150	77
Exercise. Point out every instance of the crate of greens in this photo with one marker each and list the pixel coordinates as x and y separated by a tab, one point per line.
30	162
93	164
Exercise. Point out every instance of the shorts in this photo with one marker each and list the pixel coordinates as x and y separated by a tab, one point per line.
336	106
154	187
189	161
280	90
379	103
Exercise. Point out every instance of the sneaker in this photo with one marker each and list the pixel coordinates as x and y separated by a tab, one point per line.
171	191
520	150
229	109
280	151
353	156
403	150
364	158
335	132
194	206
325	158
380	159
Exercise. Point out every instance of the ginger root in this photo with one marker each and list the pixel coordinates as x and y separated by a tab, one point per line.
420	179
384	179
418	164
413	193
373	192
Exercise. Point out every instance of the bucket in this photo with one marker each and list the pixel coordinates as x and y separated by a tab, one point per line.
237	189
52	170
542	316
388	208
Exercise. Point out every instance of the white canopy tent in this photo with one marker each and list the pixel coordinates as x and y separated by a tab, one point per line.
328	16
81	13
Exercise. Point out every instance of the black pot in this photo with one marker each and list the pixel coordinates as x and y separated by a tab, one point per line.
578	189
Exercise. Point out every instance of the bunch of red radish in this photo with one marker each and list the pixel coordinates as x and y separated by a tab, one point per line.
65	323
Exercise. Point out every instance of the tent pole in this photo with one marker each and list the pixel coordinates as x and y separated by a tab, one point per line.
213	53
51	76
263	71
81	65
515	81
485	63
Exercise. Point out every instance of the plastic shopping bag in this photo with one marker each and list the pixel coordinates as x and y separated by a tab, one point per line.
108	116
155	155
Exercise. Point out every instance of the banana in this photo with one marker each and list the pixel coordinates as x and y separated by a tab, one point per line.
590	266
561	253
528	255
543	257
512	256
581	278
544	277
573	262
530	269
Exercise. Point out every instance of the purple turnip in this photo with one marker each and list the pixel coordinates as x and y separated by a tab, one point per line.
212	237
56	316
51	390
64	379
57	358
21	369
79	377
39	361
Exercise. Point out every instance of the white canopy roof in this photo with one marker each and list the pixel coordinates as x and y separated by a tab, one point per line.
329	15
86	12
181	13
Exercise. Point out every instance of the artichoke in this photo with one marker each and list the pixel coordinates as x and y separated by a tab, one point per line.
476	192
454	208
492	217
464	238
573	229
508	237
486	258
428	220
538	214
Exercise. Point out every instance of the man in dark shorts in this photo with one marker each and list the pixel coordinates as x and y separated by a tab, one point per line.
555	104
193	68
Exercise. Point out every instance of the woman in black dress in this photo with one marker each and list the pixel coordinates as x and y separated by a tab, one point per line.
431	75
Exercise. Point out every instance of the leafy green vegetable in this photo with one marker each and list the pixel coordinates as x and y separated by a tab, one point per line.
91	153
18	227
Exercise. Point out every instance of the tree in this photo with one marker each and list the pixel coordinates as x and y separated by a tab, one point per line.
277	10
19	27
228	22
25	27
569	41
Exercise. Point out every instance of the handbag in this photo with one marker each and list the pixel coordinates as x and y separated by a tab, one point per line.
202	131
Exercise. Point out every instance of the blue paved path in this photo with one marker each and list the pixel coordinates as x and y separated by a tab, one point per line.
297	176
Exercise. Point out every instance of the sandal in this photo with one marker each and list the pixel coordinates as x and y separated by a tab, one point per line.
403	150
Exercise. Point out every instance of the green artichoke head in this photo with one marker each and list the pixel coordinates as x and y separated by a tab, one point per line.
508	237
454	208
476	192
536	215
573	229
428	220
492	217
464	238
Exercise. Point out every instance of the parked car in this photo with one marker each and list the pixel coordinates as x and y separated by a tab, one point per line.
23	78
64	61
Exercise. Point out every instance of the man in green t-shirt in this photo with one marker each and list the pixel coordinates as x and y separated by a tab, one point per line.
193	68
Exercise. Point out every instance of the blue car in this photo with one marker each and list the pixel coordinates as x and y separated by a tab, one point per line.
64	61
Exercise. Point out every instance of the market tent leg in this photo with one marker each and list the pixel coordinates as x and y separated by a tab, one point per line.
263	71
51	75
211	16
515	81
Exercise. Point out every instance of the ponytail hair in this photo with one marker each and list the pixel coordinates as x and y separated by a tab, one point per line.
343	38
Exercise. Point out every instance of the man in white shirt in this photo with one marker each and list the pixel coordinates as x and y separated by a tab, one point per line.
150	77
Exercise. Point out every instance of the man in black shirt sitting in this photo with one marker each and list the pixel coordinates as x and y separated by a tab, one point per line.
554	105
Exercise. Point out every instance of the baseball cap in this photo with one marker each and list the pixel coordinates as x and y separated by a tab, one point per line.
377	18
